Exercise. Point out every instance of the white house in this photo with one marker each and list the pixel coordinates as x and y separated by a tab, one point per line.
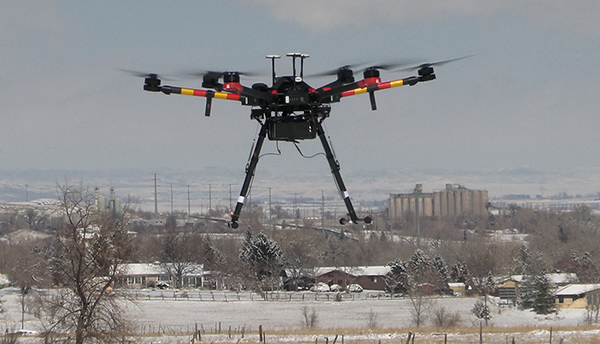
142	275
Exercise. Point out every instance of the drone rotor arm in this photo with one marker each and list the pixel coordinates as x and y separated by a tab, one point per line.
332	90
201	93
382	86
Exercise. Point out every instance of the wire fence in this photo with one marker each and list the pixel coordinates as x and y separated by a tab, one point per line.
232	296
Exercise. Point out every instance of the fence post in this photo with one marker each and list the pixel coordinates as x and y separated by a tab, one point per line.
480	332
550	334
260	333
408	339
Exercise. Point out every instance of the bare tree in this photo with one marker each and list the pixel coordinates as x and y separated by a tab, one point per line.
26	275
179	251
309	317
443	318
372	319
85	261
421	305
34	219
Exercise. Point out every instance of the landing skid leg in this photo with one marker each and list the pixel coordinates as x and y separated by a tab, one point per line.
249	176
335	170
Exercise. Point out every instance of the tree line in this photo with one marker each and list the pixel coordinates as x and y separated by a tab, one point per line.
86	250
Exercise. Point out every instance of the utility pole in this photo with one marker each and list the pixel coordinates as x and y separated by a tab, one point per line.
418	190
188	199
230	197
155	200
295	210
270	211
323	210
391	216
171	184
26	192
208	216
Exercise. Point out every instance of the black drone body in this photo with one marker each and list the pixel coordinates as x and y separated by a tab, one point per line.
292	110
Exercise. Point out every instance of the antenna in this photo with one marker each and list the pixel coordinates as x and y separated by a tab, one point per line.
302	57
273	58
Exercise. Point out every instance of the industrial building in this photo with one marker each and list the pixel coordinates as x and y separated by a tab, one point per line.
111	204
453	200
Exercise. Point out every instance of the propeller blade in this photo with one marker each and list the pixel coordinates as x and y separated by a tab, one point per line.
218	74
144	75
391	65
438	63
333	72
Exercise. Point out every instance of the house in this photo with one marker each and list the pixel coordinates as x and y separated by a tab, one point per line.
331	276
510	287
458	288
371	277
427	289
368	277
578	296
142	275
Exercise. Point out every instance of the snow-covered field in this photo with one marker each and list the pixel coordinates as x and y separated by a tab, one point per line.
174	317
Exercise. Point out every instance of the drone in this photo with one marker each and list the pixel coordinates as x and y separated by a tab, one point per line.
291	110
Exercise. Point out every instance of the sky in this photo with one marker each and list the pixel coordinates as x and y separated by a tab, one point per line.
526	100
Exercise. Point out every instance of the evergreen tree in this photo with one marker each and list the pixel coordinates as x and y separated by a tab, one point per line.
481	311
263	255
528	263
459	272
585	267
397	279
489	283
212	258
538	294
442	271
406	276
419	263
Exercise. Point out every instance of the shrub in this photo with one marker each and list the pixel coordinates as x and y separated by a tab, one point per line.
442	318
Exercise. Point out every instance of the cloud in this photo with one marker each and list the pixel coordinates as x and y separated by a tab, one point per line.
324	16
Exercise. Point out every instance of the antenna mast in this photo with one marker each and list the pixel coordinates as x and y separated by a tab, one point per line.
273	58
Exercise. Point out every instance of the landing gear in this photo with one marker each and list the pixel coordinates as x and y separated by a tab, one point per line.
333	164
335	170
250	168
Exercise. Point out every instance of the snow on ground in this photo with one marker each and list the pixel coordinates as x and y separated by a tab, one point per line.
173	316
278	315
